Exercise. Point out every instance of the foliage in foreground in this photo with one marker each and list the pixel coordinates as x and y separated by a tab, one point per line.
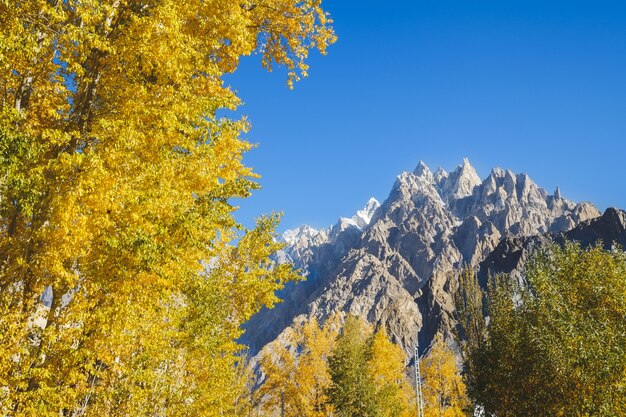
343	371
350	371
115	193
443	387
555	347
296	375
367	371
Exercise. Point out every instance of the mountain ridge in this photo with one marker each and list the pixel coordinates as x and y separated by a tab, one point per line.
398	269
510	255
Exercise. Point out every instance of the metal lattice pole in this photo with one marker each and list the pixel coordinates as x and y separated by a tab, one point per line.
282	404
418	382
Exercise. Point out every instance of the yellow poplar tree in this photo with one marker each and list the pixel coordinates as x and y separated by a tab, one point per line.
443	387
394	393
115	200
295	370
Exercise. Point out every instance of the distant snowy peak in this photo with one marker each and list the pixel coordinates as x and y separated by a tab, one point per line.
360	220
440	176
441	186
395	264
306	234
450	186
293	236
363	217
422	171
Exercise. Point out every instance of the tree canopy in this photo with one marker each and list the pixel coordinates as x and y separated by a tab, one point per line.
349	370
368	374
295	372
443	387
124	276
556	346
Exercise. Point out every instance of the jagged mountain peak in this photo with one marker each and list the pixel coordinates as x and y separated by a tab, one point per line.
499	172
422	170
512	202
364	216
466	166
440	175
460	183
392	263
307	234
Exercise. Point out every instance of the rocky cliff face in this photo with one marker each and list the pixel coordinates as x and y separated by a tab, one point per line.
394	263
511	254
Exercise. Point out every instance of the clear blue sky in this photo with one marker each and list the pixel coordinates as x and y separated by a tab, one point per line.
533	86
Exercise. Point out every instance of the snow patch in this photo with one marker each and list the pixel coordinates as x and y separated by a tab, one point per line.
294	235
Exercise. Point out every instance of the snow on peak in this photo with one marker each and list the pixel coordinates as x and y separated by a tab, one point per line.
306	235
497	172
440	175
362	217
294	235
466	169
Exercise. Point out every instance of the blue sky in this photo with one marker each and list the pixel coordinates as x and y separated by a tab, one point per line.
533	86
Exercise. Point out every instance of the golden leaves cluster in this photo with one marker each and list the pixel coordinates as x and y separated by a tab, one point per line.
295	376
116	200
346	369
443	387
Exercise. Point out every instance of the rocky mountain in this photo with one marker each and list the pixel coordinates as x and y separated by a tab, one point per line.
394	263
510	256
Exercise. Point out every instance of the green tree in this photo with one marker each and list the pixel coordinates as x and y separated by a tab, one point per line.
471	331
116	200
311	371
368	374
352	390
556	346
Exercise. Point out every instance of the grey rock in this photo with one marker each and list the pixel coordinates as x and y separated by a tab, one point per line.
398	266
510	255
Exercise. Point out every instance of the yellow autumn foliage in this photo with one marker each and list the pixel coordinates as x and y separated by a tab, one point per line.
116	200
443	388
395	395
333	370
295	371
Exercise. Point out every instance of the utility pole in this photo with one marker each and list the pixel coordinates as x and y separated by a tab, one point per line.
282	404
418	382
